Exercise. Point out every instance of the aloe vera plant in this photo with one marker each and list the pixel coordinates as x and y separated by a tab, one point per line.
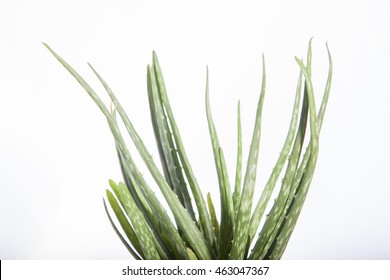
196	232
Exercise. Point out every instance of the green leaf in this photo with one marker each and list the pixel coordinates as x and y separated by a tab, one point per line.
165	143
241	229
142	230
293	173
82	82
270	227
127	245
312	107
324	102
237	186
110	119
139	198
227	212
127	228
185	222
269	187
213	216
198	196
192	254
181	215
302	180
128	165
144	197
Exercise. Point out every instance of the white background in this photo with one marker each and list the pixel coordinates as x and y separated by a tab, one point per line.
56	152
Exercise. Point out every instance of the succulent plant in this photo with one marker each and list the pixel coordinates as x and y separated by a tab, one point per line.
195	232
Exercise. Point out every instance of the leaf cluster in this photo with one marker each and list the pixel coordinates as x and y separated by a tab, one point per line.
143	224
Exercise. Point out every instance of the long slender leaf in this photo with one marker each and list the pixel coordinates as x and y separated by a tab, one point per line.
213	215
269	187
324	102
165	226
141	228
192	233
297	198
158	241
139	198
227	212
304	176
141	202
268	235
265	196
127	245
176	241
265	238
165	142
241	229
225	238
126	226
237	185
128	164
198	196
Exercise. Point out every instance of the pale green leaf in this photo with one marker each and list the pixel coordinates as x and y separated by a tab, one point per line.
227	211
241	227
198	196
